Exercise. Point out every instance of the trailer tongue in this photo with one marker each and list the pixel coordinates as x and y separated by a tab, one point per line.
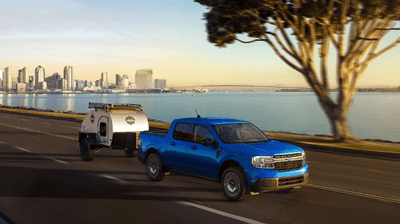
115	126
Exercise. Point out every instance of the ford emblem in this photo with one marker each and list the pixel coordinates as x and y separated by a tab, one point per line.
130	120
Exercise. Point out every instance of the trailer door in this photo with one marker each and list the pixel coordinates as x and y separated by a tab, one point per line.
103	130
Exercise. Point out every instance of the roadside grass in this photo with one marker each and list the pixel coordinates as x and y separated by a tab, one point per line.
321	141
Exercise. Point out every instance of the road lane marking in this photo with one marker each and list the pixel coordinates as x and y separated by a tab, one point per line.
22	149
1	142
57	160
114	179
41	132
46	157
218	212
354	193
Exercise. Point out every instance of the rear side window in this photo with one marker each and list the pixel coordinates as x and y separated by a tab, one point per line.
183	132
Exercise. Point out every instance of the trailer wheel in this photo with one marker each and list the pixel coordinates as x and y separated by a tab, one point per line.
87	152
154	167
131	152
234	184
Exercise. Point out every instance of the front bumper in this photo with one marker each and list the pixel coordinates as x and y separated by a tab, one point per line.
273	184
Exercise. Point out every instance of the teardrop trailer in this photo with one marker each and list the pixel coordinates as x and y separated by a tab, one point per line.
115	126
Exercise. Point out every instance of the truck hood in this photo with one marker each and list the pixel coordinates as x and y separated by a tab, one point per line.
271	148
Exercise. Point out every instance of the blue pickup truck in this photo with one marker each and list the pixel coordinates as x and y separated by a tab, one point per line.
234	152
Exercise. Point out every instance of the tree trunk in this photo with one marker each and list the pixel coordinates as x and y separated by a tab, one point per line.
340	128
336	112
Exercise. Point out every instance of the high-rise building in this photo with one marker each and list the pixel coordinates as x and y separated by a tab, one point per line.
125	82
39	76
69	77
104	80
23	76
160	83
7	79
144	79
31	81
118	81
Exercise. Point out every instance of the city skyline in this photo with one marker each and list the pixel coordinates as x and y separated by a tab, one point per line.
121	37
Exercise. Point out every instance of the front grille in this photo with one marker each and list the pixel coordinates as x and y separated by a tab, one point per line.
288	165
287	156
290	181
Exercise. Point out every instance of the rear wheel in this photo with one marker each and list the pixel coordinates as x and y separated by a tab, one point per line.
154	167
87	152
130	153
233	184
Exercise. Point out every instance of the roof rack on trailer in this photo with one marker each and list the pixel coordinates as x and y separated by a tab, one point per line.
106	106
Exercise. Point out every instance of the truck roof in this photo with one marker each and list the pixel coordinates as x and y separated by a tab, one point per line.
211	120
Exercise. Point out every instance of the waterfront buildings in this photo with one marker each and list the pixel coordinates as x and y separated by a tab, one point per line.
144	79
104	80
118	80
160	83
7	79
39	78
23	76
69	77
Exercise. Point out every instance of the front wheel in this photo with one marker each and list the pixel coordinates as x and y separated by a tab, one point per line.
154	167
233	184
130	153
87	152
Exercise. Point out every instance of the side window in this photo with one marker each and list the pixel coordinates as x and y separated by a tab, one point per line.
183	132
201	132
103	129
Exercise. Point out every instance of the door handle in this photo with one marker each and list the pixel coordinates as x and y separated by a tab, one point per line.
172	143
193	147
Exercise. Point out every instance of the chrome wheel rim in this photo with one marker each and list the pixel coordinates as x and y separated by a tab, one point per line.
231	184
153	166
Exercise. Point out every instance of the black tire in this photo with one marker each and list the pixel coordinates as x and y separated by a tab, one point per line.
87	152
234	183
154	167
131	153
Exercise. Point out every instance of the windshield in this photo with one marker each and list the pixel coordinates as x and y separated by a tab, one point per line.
240	133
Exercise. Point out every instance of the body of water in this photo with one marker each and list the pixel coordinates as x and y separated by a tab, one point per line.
373	115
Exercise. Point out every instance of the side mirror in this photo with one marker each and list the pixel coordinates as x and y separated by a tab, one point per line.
208	142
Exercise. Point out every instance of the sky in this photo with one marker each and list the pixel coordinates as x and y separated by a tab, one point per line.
122	36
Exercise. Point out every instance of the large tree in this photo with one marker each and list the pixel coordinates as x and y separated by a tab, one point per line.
297	29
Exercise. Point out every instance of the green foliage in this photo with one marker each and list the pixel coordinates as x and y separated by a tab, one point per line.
226	18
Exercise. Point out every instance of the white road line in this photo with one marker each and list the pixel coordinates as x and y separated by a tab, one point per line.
114	179
41	132
22	149
354	193
1	142
218	212
57	160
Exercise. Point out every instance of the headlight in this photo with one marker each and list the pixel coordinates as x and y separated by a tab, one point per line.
263	162
304	157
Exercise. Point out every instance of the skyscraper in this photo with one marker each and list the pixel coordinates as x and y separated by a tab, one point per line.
69	77
39	76
118	81
23	75
144	79
7	79
104	80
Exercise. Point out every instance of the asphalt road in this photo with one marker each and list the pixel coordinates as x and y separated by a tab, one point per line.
44	180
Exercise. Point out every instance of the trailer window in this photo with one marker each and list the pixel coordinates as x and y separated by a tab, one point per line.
103	129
